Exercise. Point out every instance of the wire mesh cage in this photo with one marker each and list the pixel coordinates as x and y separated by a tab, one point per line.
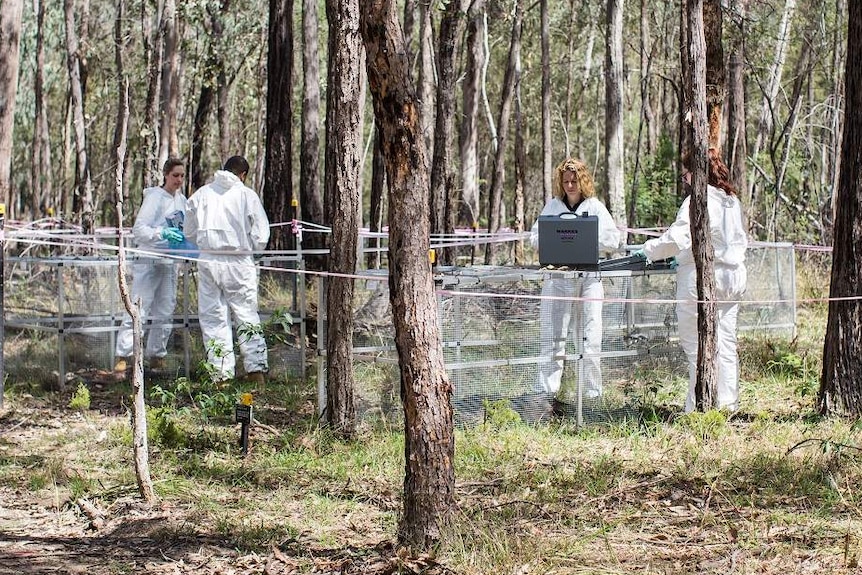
494	333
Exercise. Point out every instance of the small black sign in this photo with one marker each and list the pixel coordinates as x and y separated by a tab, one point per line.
242	413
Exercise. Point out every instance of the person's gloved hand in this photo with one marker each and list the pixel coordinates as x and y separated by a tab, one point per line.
639	254
672	263
173	235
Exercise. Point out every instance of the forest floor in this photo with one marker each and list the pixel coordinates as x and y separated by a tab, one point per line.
769	490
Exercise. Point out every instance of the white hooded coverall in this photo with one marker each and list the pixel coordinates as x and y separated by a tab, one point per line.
227	221
154	279
559	316
730	242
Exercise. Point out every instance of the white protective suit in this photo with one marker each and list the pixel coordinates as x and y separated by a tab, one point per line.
558	317
730	242
154	279
227	221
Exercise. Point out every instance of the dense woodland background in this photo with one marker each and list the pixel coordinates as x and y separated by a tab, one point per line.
198	72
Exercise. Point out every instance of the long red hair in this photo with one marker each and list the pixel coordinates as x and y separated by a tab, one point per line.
719	174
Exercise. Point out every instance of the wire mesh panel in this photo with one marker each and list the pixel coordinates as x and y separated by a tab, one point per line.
494	332
63	316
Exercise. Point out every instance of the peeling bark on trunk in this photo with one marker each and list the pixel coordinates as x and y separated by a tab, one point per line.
139	410
701	240
715	77
429	445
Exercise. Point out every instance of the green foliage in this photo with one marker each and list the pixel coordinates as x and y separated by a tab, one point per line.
81	398
211	399
500	413
711	424
657	201
163	428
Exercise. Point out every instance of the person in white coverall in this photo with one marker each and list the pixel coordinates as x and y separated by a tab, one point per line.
154	279
574	191
729	241
227	221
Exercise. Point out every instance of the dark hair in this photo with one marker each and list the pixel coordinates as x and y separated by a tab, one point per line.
237	164
719	174
170	164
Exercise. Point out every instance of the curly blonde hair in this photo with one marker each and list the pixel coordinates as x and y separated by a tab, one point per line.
585	179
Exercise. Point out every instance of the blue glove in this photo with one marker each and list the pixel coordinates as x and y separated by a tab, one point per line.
173	235
639	254
673	264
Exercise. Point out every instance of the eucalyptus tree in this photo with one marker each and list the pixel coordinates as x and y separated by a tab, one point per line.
444	196
495	194
841	380
41	179
278	179
614	88
429	441
310	197
694	82
10	38
342	202
82	201
468	134
736	150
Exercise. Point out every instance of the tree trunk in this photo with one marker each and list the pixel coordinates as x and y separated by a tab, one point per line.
841	381
206	97
495	195
835	116
701	240
426	70
801	79
471	88
120	129
343	157
715	77
547	149
83	202
139	410
10	41
150	131
429	445
615	180
737	144
764	125
443	198
278	178
520	168
42	177
170	84
647	99
310	198
375	208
